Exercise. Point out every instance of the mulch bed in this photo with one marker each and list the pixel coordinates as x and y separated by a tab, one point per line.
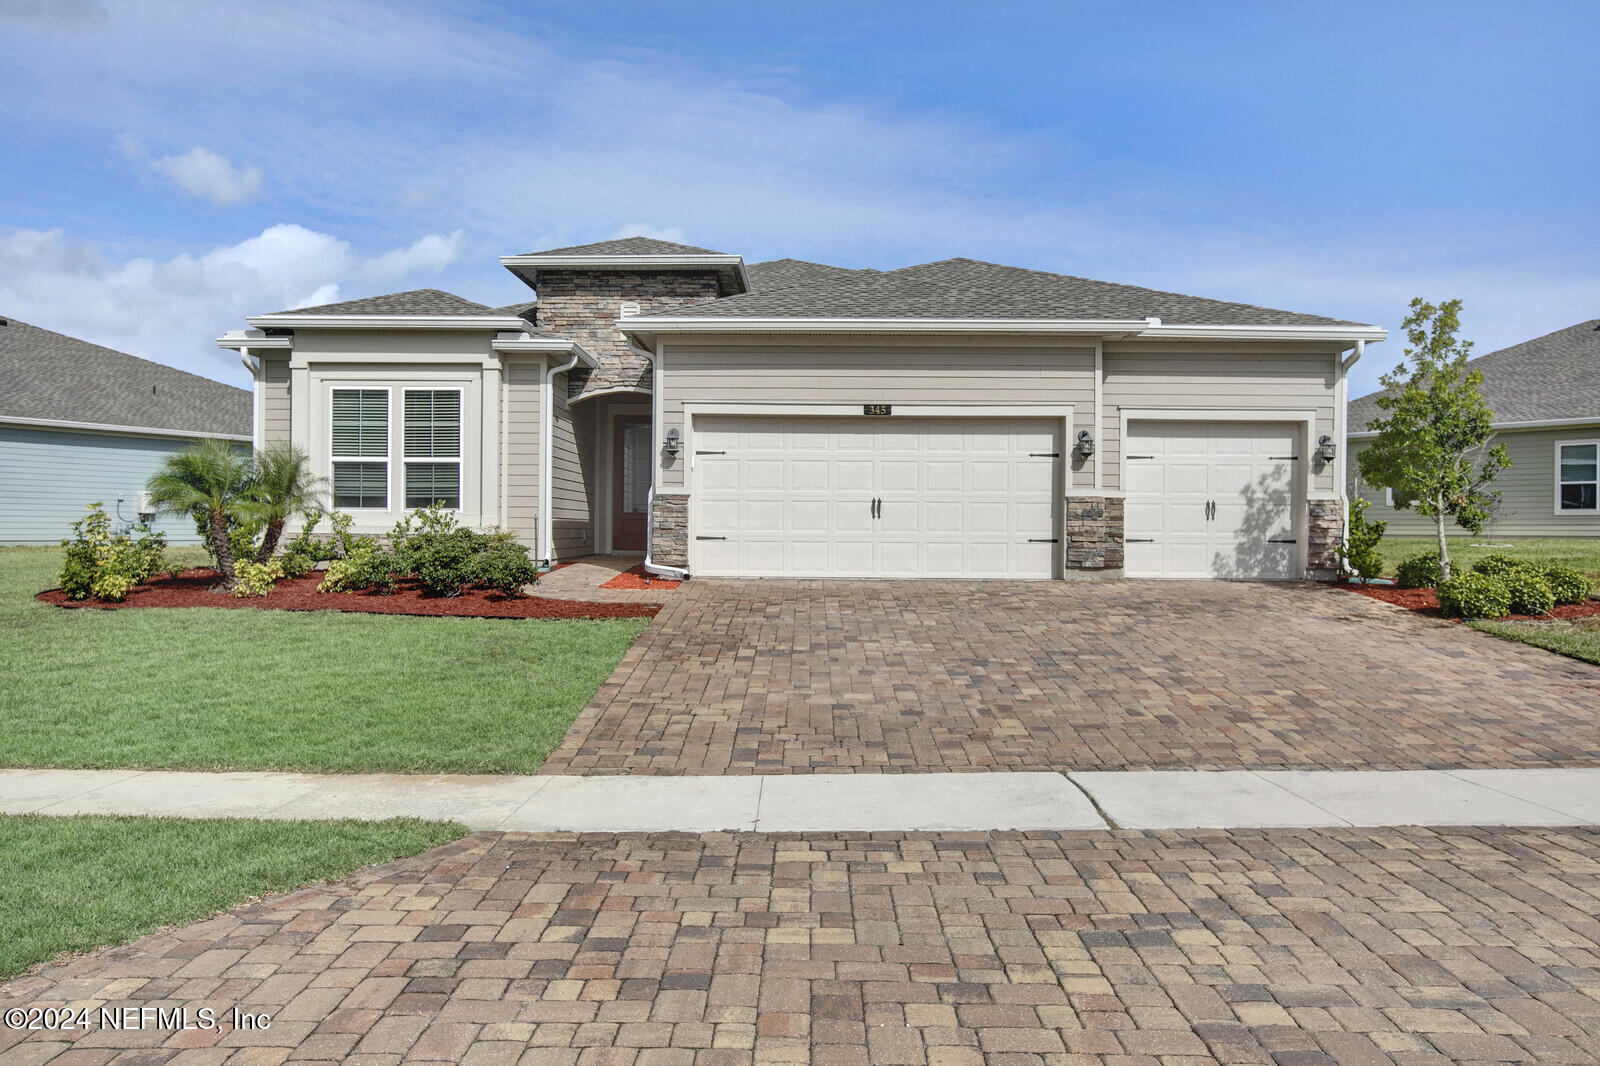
636	579
193	588
1426	601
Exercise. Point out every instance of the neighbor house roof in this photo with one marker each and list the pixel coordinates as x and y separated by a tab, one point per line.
50	377
415	302
628	246
1551	378
777	273
972	289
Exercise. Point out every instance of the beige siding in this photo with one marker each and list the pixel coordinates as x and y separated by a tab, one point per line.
521	470
1527	492
274	388
1207	375
571	476
906	371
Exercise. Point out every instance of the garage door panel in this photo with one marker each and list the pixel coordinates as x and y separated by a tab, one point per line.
899	475
1034	519
988	477
987	519
944	475
809	516
809	475
764	516
853	475
1145	476
942	517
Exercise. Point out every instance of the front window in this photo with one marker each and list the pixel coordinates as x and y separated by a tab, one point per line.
1578	476
433	448
361	448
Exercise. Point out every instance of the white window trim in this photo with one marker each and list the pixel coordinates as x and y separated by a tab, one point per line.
388	455
1560	510
461	445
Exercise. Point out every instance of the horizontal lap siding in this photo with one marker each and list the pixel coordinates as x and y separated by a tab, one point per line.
571	476
521	471
48	477
755	372
1527	492
275	399
1223	377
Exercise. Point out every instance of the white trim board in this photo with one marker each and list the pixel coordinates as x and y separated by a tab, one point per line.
130	431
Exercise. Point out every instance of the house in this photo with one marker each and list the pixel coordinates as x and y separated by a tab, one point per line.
80	423
1545	395
953	419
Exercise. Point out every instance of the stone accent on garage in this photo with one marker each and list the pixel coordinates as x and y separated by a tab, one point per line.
1094	535
1324	537
670	531
585	305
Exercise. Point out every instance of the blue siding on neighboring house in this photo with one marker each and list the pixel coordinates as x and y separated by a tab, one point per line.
48	477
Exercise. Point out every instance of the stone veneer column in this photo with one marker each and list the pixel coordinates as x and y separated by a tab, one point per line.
669	527
1094	534
1324	537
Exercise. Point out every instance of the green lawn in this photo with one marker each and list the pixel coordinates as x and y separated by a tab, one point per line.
72	884
1577	553
214	689
1579	638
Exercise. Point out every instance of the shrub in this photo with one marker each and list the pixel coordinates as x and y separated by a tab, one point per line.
308	544
106	565
504	566
296	564
1530	593
343	542
1498	565
1566	585
443	562
369	568
1473	595
257	579
1419	572
1362	556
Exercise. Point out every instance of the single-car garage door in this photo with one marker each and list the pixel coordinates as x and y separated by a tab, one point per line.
1211	499
875	497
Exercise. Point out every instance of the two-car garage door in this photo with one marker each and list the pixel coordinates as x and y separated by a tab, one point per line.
876	497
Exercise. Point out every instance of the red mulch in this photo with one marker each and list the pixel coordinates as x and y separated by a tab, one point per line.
192	588
637	580
1426	601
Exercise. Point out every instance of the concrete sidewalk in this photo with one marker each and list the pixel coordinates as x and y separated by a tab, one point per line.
837	802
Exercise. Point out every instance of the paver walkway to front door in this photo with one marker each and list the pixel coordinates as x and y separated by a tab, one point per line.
740	677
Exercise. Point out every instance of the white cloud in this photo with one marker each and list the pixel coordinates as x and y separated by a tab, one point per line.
172	310
203	173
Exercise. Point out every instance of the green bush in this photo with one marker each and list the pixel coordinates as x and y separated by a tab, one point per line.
1362	556
505	567
443	562
1419	572
1473	595
1530	593
369	568
1498	565
344	543
308	544
257	579
105	565
296	563
1567	585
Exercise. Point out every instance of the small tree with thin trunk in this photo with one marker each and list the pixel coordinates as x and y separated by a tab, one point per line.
281	487
1435	447
208	479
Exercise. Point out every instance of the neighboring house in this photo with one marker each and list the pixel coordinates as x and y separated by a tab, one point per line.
80	423
953	419
1545	395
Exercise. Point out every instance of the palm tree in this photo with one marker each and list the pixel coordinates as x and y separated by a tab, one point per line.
208	479
282	486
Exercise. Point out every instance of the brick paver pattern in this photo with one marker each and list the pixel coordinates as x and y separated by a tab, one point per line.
1294	947
883	676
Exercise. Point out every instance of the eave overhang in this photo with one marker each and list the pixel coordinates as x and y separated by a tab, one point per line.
461	322
730	268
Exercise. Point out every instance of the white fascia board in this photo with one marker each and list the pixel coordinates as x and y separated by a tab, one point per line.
483	322
1540	423
138	431
1268	333
238	339
732	324
516	263
545	345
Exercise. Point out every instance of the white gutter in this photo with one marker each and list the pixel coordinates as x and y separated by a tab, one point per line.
485	322
673	573
546	445
1139	327
1538	423
1270	333
136	431
240	339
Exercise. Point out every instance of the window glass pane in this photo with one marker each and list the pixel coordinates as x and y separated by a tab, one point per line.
431	483
360	422
433	423
635	466
1579	453
1578	497
361	484
1571	471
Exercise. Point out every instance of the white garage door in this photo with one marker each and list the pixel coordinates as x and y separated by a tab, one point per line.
875	497
1211	499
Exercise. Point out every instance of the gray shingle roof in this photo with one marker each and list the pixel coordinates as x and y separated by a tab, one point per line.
969	288
628	246
1550	377
780	273
52	376
415	302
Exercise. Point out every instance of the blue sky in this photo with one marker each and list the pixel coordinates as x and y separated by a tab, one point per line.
171	168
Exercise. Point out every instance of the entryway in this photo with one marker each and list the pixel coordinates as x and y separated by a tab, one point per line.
630	481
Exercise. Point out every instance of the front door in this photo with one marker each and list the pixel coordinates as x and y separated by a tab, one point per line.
630	476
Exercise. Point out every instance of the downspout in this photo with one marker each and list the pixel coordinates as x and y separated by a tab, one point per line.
253	364
546	445
673	573
1342	468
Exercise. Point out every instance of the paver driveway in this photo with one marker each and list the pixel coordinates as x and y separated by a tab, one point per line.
796	677
1295	947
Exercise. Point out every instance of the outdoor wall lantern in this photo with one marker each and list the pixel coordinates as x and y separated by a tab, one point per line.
1085	443
1327	450
672	445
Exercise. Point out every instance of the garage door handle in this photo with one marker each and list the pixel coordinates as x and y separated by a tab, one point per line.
1283	457
1284	540
877	507
1044	540
710	453
1138	540
1044	455
1140	457
710	538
